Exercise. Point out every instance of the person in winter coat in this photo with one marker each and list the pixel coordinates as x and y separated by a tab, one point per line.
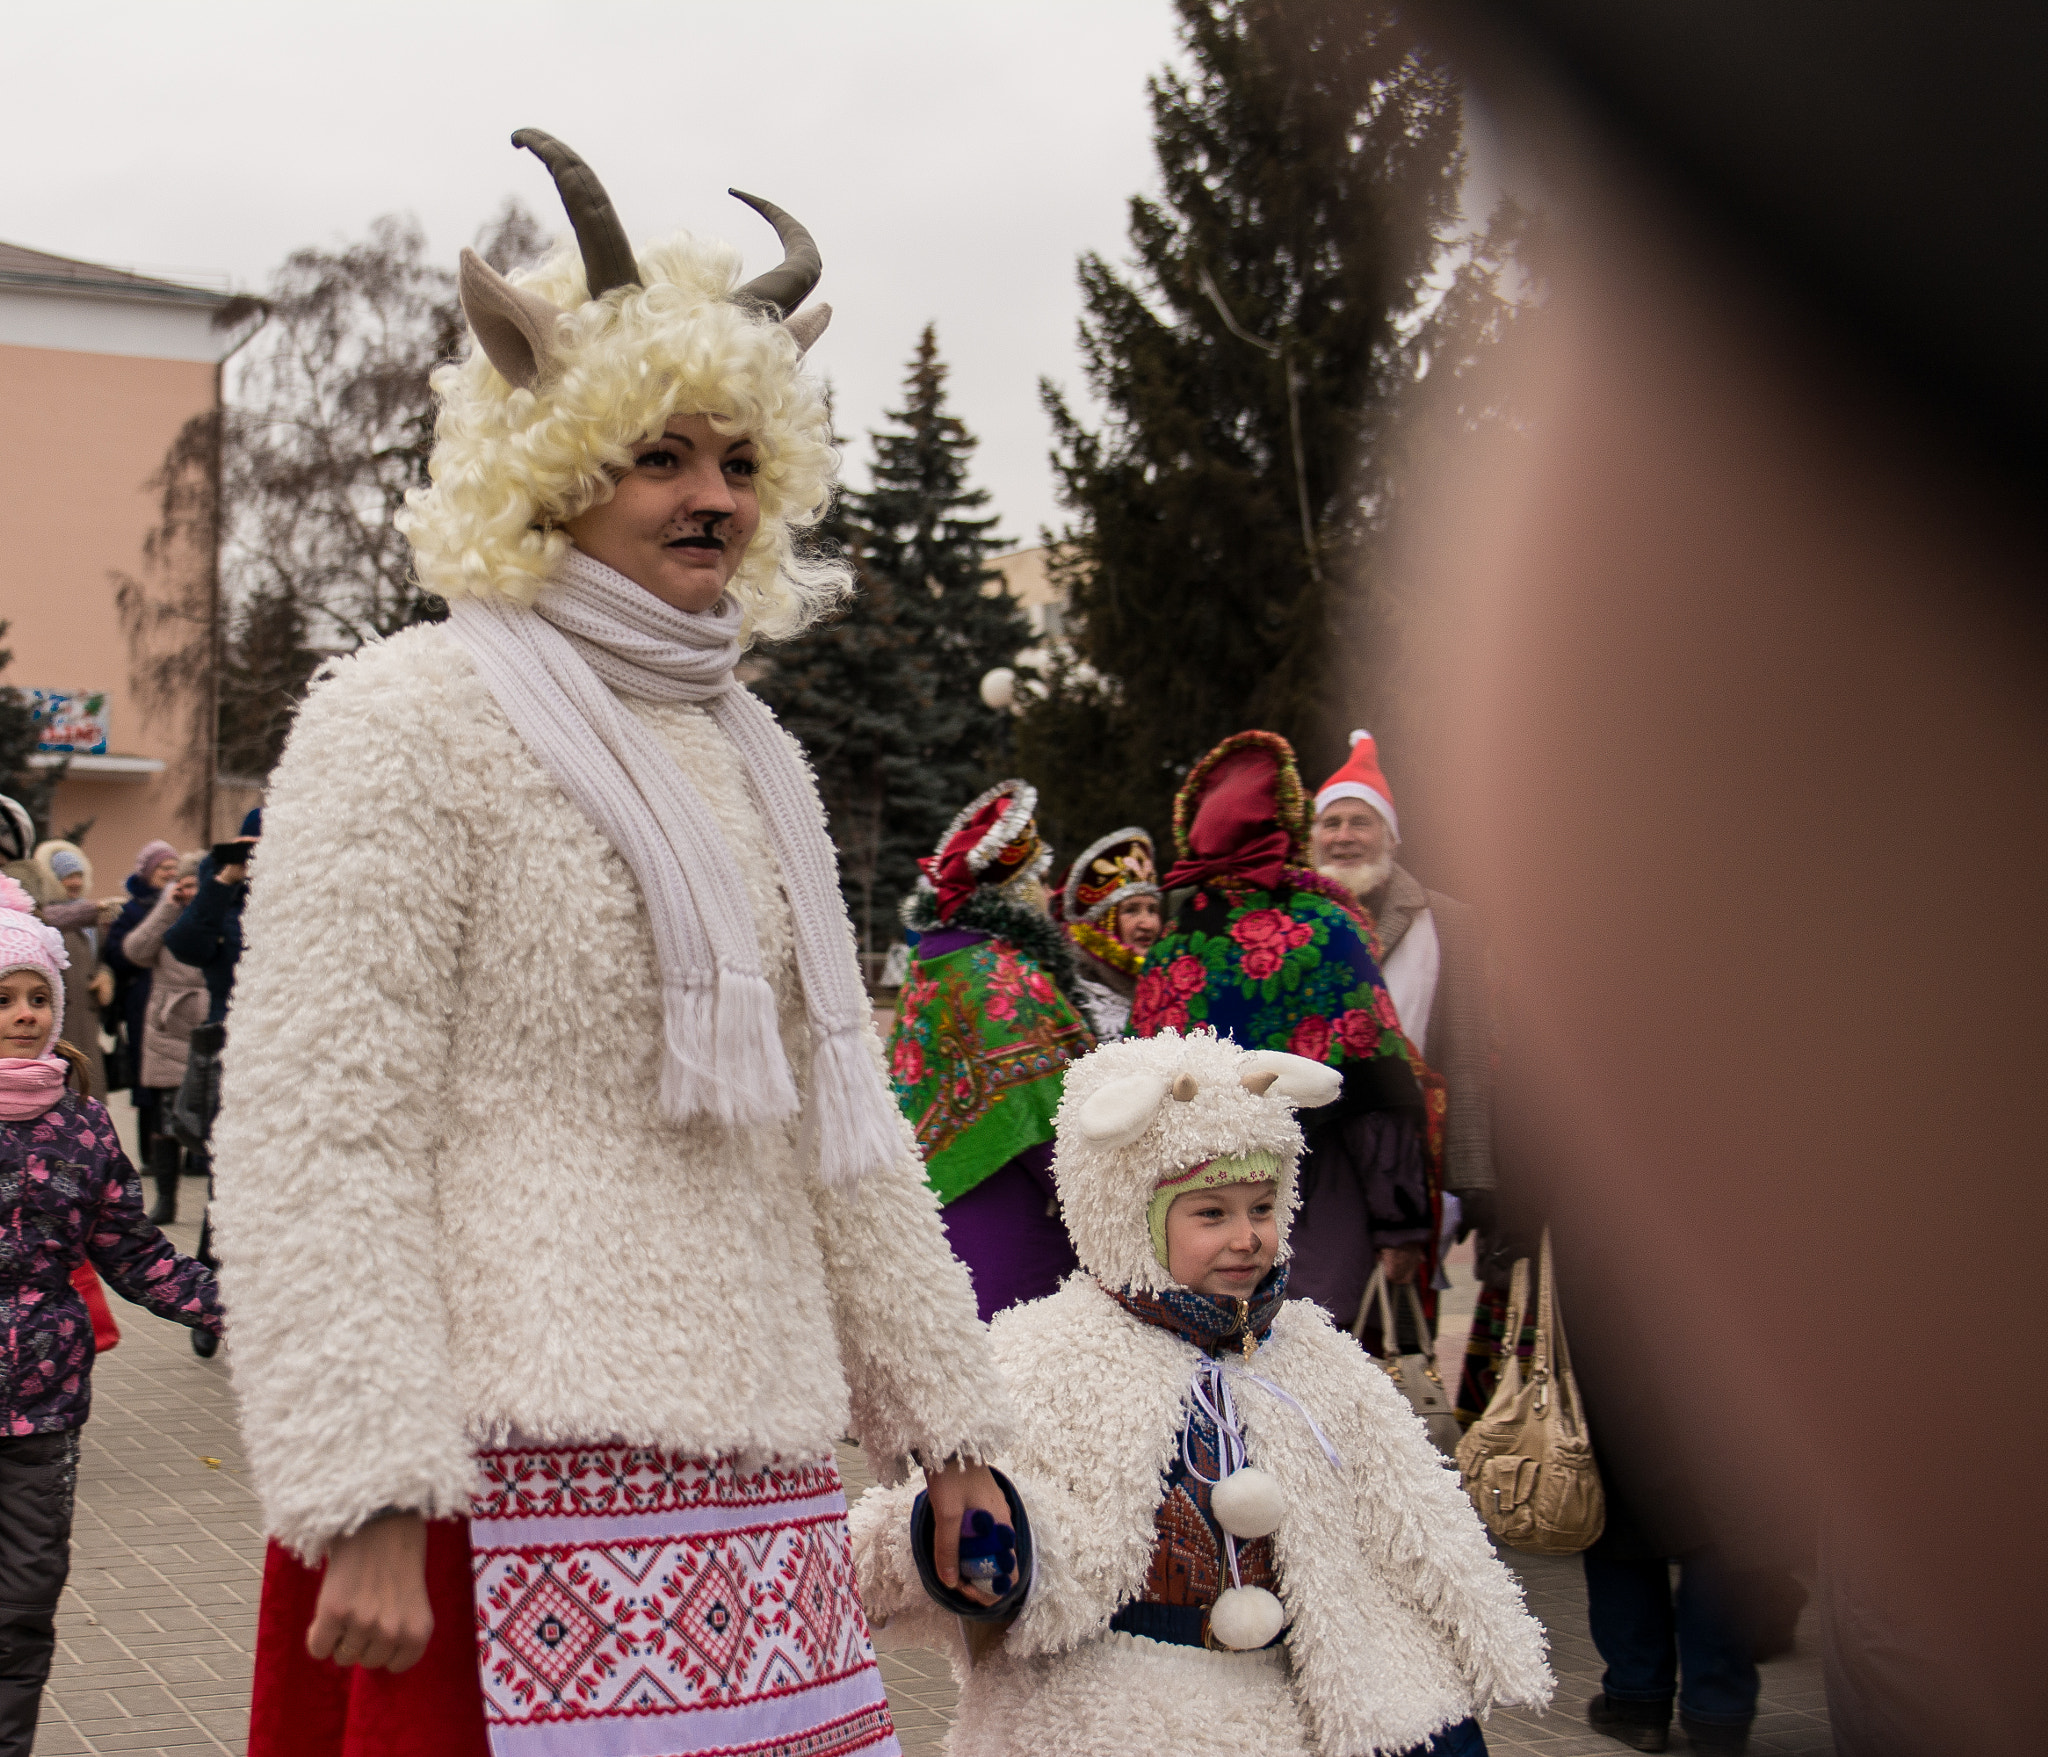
156	866
989	1014
178	1004
568	1225
67	1192
1243	1539
1276	956
88	984
208	935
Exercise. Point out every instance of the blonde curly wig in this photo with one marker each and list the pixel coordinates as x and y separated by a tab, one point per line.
509	466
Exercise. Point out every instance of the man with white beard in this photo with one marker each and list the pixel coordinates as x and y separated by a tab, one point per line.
1433	959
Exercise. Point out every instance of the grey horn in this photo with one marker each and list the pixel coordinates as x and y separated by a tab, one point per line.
783	288
607	256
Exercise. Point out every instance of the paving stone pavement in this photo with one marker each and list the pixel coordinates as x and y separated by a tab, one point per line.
157	1627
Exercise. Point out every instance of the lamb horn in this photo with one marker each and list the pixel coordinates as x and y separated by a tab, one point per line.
607	256
784	288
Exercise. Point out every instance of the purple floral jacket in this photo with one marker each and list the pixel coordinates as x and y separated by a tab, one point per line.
68	1192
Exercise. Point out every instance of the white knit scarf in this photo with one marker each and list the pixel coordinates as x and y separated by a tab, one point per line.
554	670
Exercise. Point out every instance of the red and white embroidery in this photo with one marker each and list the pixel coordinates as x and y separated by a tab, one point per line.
696	1607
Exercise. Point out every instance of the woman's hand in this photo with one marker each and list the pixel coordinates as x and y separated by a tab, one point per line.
1400	1263
373	1608
956	1490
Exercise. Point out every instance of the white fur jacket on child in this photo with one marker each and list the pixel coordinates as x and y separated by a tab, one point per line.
1401	1619
450	1207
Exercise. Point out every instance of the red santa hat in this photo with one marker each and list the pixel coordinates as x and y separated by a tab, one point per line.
1360	778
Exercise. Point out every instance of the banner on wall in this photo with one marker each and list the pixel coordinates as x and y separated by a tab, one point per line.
70	720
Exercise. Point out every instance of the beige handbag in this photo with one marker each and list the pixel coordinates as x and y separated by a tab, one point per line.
1527	1462
1414	1375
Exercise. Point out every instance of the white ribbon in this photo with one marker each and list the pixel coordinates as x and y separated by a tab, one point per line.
1211	1393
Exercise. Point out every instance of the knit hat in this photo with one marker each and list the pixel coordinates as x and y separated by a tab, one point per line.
252	821
1117	866
59	859
1360	778
29	944
993	840
153	855
1146	1116
1211	1174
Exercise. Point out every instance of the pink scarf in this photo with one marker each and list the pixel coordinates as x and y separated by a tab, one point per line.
28	1087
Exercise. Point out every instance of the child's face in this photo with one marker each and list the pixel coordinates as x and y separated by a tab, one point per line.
1222	1241
27	1012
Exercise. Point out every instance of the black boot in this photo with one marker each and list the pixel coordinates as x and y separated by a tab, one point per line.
163	1168
1642	1726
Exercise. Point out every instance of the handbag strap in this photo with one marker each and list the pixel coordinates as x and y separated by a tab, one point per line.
1571	1410
1425	1344
1508	1363
1376	1293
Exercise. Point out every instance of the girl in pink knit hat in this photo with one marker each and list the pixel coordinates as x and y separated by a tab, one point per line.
67	1195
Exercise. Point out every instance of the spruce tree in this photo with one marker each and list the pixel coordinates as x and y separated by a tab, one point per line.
1310	163
886	697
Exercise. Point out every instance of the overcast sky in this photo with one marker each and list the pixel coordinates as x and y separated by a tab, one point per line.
950	156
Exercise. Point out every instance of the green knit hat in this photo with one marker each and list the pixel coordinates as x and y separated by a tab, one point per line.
1247	1168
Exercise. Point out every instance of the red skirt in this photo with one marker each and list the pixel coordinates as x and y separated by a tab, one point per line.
307	1707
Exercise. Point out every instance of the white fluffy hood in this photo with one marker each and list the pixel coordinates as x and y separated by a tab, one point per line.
1138	1110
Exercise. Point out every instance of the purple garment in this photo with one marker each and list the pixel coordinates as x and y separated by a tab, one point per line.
1008	1232
68	1192
1363	1187
942	940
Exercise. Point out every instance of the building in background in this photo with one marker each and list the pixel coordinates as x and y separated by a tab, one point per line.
101	373
1025	579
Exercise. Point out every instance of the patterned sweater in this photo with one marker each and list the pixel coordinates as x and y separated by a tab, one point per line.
68	1192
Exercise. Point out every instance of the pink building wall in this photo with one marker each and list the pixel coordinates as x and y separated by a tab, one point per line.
80	437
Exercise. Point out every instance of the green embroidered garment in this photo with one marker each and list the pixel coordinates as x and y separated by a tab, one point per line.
979	1054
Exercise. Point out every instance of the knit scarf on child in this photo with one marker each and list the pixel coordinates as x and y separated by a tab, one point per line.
29	1085
558	671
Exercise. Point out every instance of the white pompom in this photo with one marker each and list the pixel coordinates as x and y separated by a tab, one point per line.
1360	736
1248	1503
1246	1617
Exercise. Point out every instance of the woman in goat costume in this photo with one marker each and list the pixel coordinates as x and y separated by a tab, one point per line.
566	1227
1345	1539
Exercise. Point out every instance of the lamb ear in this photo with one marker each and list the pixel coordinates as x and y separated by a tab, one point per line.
515	329
1122	1110
807	326
1303	1083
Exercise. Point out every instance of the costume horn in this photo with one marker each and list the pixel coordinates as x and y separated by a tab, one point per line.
787	286
608	260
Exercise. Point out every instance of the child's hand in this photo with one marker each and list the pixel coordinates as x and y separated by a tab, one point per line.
956	1491
373	1608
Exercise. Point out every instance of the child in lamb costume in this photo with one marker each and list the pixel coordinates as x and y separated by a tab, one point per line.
1242	1541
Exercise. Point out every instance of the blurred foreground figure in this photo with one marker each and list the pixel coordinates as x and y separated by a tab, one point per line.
1759	567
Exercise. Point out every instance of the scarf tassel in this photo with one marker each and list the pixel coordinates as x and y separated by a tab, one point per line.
723	1056
753	1072
853	1115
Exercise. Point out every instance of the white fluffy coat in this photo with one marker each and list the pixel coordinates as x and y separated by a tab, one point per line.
449	1206
1402	1620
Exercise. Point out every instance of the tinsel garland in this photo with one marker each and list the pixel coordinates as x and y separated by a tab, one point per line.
1112	951
1031	931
